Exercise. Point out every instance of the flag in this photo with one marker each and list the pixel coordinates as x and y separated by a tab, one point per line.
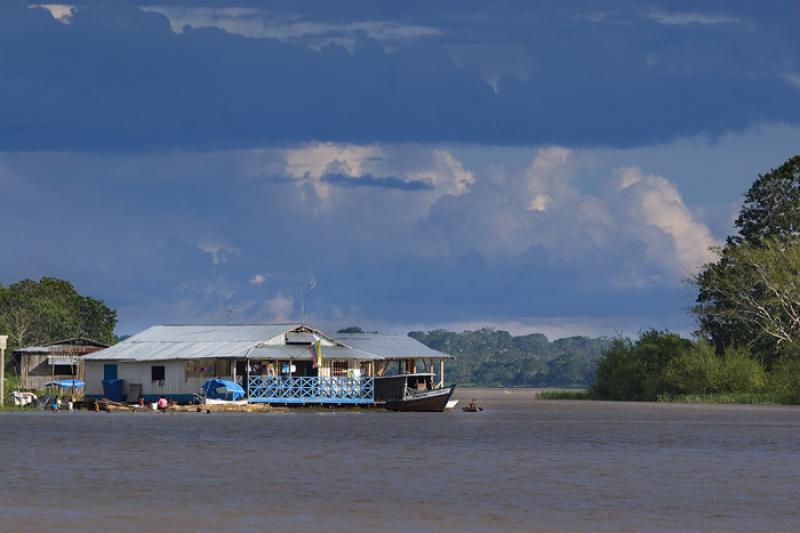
316	354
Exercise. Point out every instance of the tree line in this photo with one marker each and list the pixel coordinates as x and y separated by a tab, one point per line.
495	358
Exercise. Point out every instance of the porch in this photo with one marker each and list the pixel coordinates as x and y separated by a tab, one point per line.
311	390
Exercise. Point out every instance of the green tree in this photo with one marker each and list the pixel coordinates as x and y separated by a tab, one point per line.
51	309
772	205
770	214
754	300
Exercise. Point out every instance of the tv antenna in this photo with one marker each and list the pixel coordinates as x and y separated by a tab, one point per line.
310	284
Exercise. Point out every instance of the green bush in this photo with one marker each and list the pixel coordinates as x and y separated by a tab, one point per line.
618	373
695	371
636	371
784	381
701	371
740	372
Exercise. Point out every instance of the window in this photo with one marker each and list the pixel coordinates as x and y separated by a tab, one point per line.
157	373
339	368
63	370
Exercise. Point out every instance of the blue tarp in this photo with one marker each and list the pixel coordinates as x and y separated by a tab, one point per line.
66	384
222	389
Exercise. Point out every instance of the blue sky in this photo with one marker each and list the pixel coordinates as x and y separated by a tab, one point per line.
561	168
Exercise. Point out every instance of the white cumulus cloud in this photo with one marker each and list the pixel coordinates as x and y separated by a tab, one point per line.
640	221
653	202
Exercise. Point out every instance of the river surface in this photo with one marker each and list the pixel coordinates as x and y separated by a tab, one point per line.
522	464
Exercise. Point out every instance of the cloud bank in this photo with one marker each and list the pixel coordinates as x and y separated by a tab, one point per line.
205	237
427	76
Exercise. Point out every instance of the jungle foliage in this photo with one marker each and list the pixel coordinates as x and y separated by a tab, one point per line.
662	364
495	358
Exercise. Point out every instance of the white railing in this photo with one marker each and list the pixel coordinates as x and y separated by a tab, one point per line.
336	390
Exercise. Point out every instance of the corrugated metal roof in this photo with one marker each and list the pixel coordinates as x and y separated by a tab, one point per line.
390	346
56	348
160	343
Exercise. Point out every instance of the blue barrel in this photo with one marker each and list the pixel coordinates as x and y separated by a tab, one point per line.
114	389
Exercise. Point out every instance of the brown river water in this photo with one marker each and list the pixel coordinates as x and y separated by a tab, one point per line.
520	465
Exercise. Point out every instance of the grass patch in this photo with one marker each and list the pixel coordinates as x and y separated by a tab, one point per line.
748	398
564	395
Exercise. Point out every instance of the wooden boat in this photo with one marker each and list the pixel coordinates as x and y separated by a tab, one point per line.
434	400
411	392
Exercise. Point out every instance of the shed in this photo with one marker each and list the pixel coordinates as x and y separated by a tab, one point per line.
38	365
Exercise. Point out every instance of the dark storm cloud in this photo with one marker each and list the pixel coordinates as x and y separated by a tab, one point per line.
117	77
387	182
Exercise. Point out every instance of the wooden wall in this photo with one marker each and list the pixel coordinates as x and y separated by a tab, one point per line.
34	371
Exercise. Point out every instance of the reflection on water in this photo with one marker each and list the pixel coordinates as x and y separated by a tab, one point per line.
522	464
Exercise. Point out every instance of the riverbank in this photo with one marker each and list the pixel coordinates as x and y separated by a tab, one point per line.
744	398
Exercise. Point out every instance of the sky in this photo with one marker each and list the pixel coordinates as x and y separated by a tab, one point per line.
557	167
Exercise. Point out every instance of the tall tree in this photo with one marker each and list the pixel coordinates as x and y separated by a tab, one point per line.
771	211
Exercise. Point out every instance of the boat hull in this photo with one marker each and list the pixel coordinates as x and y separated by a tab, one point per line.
433	401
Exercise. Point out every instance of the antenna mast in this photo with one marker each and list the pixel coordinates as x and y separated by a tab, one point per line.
303	284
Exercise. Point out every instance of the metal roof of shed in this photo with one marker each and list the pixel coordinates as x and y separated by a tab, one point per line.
61	346
390	346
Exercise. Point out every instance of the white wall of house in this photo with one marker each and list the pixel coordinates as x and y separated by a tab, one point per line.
174	382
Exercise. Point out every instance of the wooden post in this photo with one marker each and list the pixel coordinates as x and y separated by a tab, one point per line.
247	377
3	341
